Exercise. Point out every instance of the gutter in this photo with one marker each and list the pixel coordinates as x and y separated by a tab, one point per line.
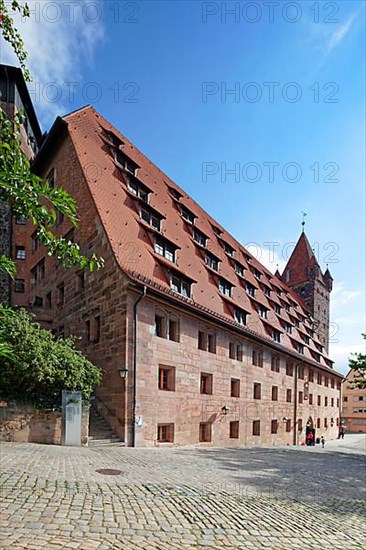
135	319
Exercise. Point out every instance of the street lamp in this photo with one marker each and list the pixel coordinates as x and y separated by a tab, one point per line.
123	372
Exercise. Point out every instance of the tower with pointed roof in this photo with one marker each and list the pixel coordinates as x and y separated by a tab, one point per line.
303	274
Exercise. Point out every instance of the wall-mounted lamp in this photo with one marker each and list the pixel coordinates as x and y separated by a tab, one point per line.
123	372
224	410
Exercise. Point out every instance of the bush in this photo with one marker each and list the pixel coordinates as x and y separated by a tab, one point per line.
37	366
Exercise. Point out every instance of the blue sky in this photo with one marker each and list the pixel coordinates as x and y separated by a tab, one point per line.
293	132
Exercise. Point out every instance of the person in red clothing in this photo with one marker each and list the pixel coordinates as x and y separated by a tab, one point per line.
309	438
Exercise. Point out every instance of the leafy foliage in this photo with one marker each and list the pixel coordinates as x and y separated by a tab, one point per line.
358	363
29	195
37	366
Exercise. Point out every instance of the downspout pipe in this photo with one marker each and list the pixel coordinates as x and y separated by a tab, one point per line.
135	319
295	403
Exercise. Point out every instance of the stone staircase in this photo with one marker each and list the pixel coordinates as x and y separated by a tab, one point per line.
100	432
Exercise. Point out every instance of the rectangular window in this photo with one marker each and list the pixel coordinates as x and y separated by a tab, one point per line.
235	387
301	397
267	291
310	398
239	269
325	422
159	328
225	287
166	380
289	368
288	426
35	241
257	358
326	381
318	423
206	384
257	274
228	249
299	425
234	429
332	402
61	294
180	285
256	390
240	316
20	285
212	262
200	238
288	328
256	427
251	290
277	336
20	220
325	401
138	189
212	343
97	328
311	375
165	433
20	253
205	432
277	309
263	312
173	330
236	351
301	373
187	215
288	396
332	382
319	400
274	426
275	363
165	249
274	393
49	300
150	218
319	378
202	340
337	401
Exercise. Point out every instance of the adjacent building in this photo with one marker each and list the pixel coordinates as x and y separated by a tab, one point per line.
353	405
199	343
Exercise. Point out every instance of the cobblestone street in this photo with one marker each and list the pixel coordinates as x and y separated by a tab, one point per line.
156	499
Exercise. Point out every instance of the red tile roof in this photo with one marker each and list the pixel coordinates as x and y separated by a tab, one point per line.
132	239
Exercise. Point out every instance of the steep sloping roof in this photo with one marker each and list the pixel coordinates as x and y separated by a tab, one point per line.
301	261
132	240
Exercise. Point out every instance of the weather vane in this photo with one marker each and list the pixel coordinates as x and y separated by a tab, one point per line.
303	220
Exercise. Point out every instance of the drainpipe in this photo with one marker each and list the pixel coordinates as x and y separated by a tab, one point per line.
135	309
295	404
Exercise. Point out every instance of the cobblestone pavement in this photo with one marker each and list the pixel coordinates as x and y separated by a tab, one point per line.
53	497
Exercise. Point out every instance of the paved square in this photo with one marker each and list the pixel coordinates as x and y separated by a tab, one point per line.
156	499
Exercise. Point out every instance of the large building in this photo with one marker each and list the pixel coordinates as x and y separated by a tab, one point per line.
353	404
199	343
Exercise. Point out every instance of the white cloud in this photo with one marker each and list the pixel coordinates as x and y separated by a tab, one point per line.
338	35
61	39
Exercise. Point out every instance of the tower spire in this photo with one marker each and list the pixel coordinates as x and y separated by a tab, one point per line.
303	220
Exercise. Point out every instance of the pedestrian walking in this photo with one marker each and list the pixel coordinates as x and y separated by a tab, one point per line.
322	441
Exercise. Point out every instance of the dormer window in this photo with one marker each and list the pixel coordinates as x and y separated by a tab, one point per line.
150	218
165	249
277	336
287	307
297	323
228	249
216	230
175	193
250	290
306	339
277	309
257	274
225	287
124	162
300	348
111	136
181	285
288	328
240	316
200	238
239	269
263	311
138	189
267	291
211	261
278	292
187	215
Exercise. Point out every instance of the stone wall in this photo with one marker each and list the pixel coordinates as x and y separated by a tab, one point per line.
23	424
